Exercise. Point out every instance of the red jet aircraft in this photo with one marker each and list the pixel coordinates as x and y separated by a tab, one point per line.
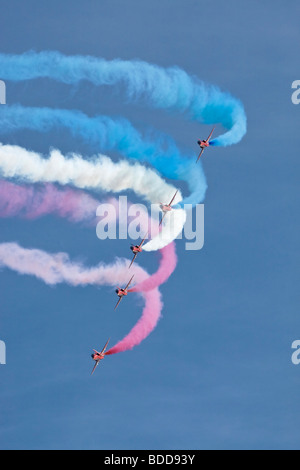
136	249
166	207
204	144
98	356
122	292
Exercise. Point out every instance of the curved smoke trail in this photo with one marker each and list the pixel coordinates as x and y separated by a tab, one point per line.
100	173
106	134
31	203
171	88
146	323
167	265
57	269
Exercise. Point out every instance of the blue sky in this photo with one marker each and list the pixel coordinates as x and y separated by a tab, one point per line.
217	371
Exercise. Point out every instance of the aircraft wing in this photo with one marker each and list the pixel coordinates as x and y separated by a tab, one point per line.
118	303
161	221
200	154
133	260
95	367
173	198
104	349
208	138
143	241
129	283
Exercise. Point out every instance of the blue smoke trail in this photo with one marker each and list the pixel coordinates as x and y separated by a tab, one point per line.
106	133
170	88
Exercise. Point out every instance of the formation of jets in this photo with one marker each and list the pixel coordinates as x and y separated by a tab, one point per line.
136	249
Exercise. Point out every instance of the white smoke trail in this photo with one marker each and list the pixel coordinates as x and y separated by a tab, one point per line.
100	173
172	227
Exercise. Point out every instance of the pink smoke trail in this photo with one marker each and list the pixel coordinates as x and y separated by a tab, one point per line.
145	324
167	266
149	319
57	268
31	202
